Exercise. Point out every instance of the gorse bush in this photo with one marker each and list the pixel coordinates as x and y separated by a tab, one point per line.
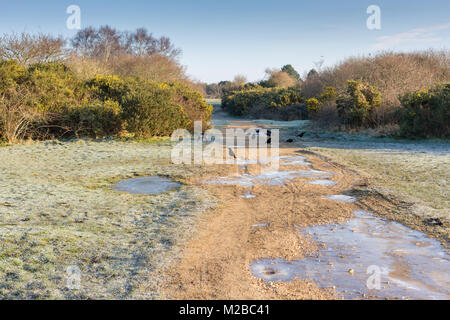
356	107
241	103
426	113
48	100
94	120
144	103
150	111
313	105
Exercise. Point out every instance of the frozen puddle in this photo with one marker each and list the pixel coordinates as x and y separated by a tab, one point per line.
260	225
294	161
271	178
147	185
341	198
248	195
325	183
407	264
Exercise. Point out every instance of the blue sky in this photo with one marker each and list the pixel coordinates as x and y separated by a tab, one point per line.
220	39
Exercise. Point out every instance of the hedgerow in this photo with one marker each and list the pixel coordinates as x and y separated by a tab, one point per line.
240	103
426	113
48	100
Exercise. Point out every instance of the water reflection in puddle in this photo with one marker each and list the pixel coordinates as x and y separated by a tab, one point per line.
147	185
408	264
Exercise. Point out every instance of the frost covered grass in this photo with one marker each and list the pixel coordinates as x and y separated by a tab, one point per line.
414	171
57	210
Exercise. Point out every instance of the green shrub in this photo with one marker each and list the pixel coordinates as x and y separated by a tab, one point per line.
356	107
150	111
94	120
192	103
138	97
329	94
241	103
11	74
47	100
313	105
426	113
54	88
111	87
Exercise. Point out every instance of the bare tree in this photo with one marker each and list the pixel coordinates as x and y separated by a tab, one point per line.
239	80
107	42
165	47
110	43
86	42
141	43
28	49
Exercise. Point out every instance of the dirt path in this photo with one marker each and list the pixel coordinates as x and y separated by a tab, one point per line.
216	262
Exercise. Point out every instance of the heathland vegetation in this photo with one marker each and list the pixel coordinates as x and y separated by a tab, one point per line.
100	83
404	94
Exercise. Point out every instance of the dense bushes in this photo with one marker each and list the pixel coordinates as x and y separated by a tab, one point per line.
152	108
426	113
422	113
94	120
356	107
242	102
48	100
392	73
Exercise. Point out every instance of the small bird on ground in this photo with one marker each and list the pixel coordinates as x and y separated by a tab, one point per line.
231	153
301	135
269	134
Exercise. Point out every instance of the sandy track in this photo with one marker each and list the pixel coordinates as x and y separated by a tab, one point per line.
215	264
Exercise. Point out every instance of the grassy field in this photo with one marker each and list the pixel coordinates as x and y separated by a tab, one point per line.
58	211
412	171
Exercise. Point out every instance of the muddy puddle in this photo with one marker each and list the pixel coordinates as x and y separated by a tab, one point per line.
369	257
147	185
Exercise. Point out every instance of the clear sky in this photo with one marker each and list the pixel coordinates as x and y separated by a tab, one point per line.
220	39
